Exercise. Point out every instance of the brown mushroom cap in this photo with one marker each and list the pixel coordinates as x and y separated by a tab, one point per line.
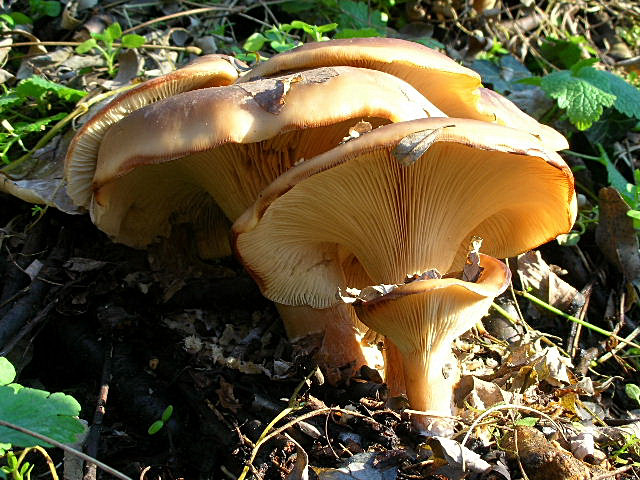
449	86
422	318
206	71
403	199
222	146
505	112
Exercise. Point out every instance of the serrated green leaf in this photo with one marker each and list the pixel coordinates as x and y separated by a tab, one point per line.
7	372
50	414
113	32
22	128
37	87
133	41
587	62
627	96
358	15
583	100
86	46
255	42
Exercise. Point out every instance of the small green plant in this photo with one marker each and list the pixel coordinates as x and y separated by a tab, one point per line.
584	92
158	424
51	414
27	110
105	44
633	391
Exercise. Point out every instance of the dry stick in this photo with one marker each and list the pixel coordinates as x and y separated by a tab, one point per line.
590	326
66	448
91	444
189	49
620	346
574	336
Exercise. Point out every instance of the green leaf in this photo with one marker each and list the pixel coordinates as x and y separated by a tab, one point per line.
86	46
358	15
633	391
166	415
255	42
634	214
7	19
7	372
627	96
133	41
155	427
113	32
20	18
583	100
50	414
430	42
22	128
357	33
10	100
51	8
527	421
37	87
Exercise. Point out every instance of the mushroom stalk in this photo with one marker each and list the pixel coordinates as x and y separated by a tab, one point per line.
422	318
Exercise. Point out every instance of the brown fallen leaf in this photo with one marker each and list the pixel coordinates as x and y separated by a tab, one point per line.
616	236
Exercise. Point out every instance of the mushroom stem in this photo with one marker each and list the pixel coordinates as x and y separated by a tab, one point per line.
430	376
340	345
393	371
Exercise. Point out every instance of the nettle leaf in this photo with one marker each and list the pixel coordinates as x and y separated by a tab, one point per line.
37	87
9	100
627	96
133	41
50	414
39	125
583	99
358	15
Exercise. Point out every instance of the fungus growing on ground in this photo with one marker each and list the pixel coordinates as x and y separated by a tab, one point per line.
422	318
454	89
204	155
206	71
397	202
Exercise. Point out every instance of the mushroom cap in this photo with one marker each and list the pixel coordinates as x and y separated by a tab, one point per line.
505	112
423	317
222	146
455	89
447	84
80	162
403	199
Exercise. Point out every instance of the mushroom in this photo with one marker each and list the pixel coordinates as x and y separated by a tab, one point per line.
204	155
206	71
463	178
422	318
455	89
398	201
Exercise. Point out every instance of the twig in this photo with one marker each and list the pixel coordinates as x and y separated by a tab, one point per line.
590	326
91	444
613	473
66	448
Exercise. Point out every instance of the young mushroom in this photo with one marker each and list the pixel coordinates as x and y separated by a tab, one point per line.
399	201
204	155
204	72
454	89
423	318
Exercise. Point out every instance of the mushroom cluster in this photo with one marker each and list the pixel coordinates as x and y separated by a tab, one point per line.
356	173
